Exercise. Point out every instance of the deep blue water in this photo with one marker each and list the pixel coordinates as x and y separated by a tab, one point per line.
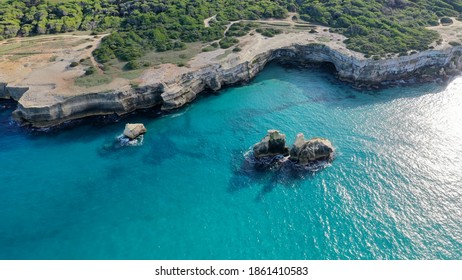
394	190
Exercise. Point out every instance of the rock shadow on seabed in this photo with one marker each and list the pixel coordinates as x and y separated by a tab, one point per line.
165	148
269	174
271	163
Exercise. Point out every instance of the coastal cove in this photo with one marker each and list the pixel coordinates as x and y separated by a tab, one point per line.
393	191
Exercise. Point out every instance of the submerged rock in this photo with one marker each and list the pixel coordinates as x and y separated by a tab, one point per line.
125	141
273	144
133	130
315	149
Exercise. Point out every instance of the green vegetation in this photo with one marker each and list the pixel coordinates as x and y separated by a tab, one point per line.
92	80
90	71
132	65
208	49
240	29
381	26
228	42
269	32
237	49
446	21
374	27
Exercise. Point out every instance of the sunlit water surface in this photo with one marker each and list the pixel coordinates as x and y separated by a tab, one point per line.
394	190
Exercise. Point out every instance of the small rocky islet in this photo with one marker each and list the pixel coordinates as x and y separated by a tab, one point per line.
133	135
272	151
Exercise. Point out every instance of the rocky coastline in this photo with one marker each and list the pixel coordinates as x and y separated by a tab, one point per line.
425	66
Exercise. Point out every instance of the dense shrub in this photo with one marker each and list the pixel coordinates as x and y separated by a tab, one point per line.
228	42
268	32
208	49
372	26
446	21
90	70
132	65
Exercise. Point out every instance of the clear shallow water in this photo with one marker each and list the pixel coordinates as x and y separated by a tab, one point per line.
393	192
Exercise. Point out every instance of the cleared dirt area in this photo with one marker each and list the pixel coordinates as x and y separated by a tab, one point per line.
43	63
449	34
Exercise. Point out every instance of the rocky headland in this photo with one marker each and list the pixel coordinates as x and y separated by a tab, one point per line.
170	87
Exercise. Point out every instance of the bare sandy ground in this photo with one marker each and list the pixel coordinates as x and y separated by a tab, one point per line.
42	63
449	33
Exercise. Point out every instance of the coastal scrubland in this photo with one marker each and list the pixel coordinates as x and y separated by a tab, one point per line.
373	27
112	43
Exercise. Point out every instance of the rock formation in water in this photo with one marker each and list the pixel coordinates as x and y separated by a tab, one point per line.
274	143
306	151
133	136
133	130
303	152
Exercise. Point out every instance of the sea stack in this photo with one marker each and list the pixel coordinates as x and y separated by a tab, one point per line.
273	144
304	152
133	130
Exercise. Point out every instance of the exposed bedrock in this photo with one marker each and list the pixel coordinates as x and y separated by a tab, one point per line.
274	143
92	104
133	130
427	65
315	149
184	88
9	92
303	152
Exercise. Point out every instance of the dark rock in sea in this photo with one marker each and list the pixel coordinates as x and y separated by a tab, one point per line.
273	144
125	141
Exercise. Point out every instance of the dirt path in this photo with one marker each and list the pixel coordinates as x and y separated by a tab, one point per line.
46	67
92	58
207	20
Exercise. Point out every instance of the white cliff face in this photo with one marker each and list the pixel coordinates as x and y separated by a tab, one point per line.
92	104
184	88
425	65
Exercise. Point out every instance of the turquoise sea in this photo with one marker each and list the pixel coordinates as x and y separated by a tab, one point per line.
394	190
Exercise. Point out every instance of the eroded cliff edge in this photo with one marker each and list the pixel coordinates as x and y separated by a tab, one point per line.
178	90
424	66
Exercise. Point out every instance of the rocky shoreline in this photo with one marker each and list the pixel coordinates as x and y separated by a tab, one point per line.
426	66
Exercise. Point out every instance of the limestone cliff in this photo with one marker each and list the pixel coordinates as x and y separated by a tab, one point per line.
183	88
92	104
427	65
